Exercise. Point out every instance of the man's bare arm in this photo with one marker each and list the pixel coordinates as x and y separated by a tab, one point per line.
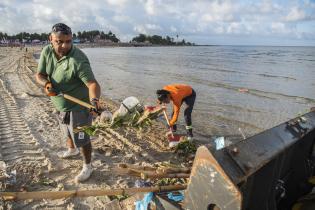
94	89
41	79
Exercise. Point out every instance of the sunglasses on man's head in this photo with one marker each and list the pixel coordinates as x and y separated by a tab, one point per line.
61	28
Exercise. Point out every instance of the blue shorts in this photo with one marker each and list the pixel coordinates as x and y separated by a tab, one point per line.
77	118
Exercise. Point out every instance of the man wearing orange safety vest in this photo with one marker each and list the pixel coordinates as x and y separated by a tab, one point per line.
179	93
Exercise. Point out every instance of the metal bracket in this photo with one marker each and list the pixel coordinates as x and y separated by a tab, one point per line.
295	127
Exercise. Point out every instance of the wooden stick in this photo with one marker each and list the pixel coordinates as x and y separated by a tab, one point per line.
75	100
146	175
85	193
127	171
173	170
168	123
150	172
142	168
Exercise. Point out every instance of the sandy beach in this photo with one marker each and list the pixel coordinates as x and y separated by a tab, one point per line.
30	138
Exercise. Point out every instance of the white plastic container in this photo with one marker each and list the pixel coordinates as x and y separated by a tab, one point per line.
129	104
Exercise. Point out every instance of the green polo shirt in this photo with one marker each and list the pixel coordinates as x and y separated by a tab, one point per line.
68	75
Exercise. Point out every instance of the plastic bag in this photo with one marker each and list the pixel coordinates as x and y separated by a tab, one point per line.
143	204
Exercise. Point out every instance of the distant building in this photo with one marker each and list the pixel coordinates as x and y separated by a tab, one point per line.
36	41
4	41
76	41
97	38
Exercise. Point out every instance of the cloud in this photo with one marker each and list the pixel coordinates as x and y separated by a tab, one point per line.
234	28
295	14
150	7
153	27
187	18
121	18
147	28
119	3
140	29
173	29
268	6
217	11
278	27
310	3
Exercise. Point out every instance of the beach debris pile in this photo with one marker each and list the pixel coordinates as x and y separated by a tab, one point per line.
131	113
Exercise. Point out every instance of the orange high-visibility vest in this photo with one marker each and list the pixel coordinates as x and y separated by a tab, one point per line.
178	93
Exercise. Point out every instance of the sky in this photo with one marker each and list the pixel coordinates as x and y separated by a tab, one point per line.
213	22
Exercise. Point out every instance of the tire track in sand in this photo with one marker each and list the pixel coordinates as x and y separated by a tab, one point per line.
18	145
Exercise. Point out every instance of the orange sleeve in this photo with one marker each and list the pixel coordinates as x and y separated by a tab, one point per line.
176	109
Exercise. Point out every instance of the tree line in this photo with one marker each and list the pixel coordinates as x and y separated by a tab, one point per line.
25	36
82	36
94	36
159	40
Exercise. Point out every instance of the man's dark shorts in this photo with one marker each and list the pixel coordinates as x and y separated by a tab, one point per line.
76	118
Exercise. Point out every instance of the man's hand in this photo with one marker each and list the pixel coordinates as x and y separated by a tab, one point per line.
95	102
43	81
49	90
94	94
313	109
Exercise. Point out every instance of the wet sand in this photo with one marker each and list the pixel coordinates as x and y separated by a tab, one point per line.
30	139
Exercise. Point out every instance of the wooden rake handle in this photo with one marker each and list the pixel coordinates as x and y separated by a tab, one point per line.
168	122
85	193
78	101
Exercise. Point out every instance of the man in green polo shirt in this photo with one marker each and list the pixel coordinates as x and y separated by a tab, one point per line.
64	68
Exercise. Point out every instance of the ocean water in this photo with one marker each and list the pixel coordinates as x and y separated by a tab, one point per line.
240	89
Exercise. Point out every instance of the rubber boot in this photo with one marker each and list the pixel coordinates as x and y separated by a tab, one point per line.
189	133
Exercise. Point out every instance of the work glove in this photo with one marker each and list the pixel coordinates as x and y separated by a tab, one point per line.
95	102
49	90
